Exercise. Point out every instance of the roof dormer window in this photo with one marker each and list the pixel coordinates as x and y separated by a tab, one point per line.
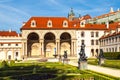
82	23
33	23
49	24
65	23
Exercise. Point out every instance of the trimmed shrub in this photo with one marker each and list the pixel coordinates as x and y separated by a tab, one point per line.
4	64
112	55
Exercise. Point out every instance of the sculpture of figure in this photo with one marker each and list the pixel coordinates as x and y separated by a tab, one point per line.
65	54
82	53
101	57
101	54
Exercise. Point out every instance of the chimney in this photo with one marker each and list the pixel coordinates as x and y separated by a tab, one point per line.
107	25
18	35
10	30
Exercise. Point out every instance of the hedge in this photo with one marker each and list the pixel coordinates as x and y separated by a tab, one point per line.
112	55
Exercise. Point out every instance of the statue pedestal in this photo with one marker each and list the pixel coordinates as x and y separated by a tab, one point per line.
101	61
65	61
82	65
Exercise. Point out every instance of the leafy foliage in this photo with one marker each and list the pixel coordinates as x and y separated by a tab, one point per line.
112	55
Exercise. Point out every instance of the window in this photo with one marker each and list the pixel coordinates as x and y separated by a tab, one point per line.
82	34
1	44
119	38
49	24
82	41
9	44
92	34
96	42
107	49
65	23
97	34
16	54
107	41
112	39
92	51
92	42
16	44
116	39
33	23
9	57
82	23
97	51
112	49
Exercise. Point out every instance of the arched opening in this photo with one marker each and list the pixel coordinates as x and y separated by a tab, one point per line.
49	45
92	51
9	55
65	42
96	52
33	45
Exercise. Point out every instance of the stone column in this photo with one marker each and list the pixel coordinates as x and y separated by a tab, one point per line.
73	47
24	47
42	47
13	54
58	46
5	53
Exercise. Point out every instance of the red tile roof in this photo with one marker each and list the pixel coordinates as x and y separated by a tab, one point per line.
95	27
86	17
57	23
8	33
112	26
110	35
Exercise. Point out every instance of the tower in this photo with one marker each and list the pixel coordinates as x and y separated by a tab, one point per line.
71	15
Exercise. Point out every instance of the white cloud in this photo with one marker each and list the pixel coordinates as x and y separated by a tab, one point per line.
11	17
13	9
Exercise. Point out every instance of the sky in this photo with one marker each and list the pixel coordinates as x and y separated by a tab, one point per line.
14	12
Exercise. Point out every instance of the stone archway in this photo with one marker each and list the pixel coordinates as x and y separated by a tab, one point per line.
9	55
49	44
33	45
65	42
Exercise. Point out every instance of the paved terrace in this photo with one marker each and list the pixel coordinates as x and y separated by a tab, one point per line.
104	70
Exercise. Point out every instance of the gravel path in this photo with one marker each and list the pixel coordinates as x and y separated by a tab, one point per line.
104	70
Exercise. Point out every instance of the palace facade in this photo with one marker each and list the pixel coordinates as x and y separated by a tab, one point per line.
48	36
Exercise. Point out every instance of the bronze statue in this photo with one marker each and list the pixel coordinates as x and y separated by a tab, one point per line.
82	53
65	55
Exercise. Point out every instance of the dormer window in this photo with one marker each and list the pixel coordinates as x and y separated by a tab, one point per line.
49	24
65	23
33	23
82	23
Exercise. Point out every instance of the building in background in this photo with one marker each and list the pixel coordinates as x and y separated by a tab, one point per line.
110	41
47	36
10	45
111	17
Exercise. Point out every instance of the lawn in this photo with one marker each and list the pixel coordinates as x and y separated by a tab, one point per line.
48	71
107	63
